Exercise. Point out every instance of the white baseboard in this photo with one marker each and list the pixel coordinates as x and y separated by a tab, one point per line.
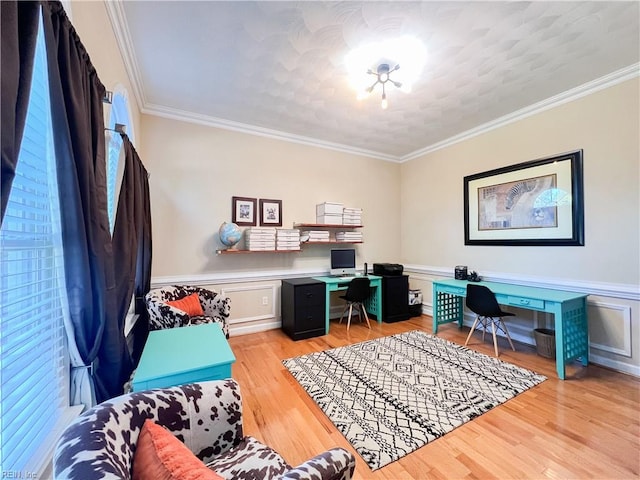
614	365
245	329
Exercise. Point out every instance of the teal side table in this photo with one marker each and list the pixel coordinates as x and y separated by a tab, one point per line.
176	356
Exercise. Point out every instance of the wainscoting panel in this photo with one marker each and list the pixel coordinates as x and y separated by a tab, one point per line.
610	327
613	309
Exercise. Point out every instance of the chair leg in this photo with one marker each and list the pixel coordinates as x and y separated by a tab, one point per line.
495	341
484	323
349	319
473	327
346	305
504	328
365	315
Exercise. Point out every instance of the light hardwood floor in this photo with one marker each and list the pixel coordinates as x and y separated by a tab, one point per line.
587	426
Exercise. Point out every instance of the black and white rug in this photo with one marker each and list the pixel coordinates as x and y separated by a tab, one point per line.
392	395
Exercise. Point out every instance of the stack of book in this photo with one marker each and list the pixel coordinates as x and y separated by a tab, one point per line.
352	216
329	213
315	236
353	237
288	239
260	238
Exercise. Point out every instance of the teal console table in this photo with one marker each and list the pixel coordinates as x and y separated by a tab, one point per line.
569	310
373	303
176	356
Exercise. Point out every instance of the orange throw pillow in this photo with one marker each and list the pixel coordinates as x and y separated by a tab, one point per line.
161	456
189	304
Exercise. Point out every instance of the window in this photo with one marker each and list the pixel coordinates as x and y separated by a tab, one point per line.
34	383
119	114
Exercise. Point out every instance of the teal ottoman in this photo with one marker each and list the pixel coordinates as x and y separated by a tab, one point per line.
176	356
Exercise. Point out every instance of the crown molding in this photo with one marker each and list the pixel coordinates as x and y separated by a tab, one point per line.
588	88
115	10
181	115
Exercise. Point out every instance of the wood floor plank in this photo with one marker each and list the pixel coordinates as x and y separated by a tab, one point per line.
585	427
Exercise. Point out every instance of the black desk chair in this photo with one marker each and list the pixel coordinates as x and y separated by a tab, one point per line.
482	302
357	293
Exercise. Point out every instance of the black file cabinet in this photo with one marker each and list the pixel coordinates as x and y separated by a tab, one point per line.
395	298
302	302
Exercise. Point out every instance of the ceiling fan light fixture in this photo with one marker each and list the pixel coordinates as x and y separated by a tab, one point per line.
407	51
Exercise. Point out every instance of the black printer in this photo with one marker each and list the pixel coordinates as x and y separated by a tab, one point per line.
388	269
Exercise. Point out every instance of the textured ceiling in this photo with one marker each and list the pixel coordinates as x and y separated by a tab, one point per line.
277	67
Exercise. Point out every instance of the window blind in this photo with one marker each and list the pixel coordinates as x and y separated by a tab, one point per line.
33	365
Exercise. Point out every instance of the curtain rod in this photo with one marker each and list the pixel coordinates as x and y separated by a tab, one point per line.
120	128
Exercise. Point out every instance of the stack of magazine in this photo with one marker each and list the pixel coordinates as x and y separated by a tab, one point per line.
353	237
260	238
315	236
288	239
352	216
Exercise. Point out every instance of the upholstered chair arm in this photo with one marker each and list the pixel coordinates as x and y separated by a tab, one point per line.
214	304
206	416
334	464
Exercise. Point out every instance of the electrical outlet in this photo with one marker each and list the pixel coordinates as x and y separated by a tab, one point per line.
265	300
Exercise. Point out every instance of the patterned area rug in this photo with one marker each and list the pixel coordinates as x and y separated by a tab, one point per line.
393	395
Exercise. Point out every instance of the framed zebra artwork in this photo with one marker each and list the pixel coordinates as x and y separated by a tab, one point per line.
539	202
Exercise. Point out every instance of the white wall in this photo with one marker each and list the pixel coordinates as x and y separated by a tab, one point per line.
606	126
196	170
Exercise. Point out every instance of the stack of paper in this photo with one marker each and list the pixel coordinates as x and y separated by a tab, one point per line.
315	236
260	238
288	239
348	237
352	216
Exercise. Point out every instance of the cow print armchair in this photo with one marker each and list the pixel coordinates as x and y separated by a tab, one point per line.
216	308
205	416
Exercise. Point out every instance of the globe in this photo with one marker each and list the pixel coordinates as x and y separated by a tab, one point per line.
230	234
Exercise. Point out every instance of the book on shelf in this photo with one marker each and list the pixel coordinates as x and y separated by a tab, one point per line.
270	230
288	243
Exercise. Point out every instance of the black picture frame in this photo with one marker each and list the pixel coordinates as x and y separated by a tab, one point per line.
270	213
243	211
535	203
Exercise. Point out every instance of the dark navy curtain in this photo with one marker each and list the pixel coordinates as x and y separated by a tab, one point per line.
78	126
132	263
97	303
19	28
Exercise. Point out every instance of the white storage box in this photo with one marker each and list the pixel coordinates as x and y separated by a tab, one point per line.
329	208
329	219
415	297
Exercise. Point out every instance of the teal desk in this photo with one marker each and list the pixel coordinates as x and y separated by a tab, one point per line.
569	310
176	356
373	304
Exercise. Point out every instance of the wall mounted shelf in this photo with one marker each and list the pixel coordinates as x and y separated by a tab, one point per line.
323	225
234	252
331	227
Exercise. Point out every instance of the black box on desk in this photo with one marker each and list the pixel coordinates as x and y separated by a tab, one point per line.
387	269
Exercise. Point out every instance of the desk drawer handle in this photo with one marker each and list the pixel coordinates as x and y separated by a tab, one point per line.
524	302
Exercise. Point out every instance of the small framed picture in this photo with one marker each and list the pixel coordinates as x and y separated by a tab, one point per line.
243	211
271	212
